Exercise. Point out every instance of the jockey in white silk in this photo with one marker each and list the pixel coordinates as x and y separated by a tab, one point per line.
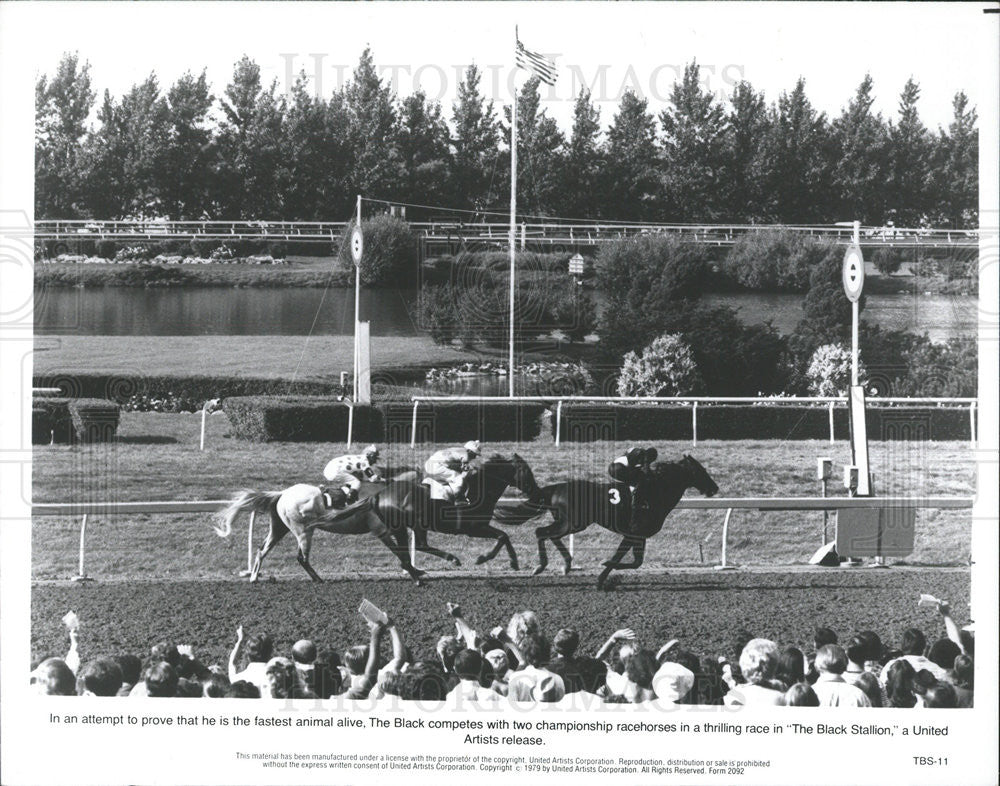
347	472
450	467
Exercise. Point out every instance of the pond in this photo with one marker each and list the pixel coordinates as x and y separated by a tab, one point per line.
297	311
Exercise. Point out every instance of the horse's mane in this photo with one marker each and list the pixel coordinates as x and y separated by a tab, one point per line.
497	458
662	467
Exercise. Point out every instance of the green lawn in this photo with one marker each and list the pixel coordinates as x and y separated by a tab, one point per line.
157	458
240	356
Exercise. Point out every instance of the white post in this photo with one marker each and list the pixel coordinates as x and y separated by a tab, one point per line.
572	551
253	515
513	228
694	423
350	424
357	307
81	575
413	548
413	424
972	424
854	317
203	415
523	236
831	422
725	539
558	422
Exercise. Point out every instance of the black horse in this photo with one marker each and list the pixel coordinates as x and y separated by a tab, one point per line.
576	504
406	504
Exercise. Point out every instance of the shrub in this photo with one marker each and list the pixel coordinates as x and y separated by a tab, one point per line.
390	253
645	280
107	249
299	419
829	371
94	420
53	420
775	260
827	311
277	249
459	421
665	368
887	261
203	247
222	254
437	312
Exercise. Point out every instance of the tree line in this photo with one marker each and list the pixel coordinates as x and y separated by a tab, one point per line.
255	153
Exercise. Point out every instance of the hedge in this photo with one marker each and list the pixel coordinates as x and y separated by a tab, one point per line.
94	419
51	421
299	419
460	421
187	393
593	422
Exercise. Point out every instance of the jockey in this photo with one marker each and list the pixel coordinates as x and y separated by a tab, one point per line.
349	471
633	468
450	467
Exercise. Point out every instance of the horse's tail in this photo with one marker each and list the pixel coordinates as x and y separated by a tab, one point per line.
256	501
537	505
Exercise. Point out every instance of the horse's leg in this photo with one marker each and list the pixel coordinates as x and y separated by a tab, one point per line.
501	538
420	544
567	557
277	531
542	534
395	541
612	563
638	553
305	545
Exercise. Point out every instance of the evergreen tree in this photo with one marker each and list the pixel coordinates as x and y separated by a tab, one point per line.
909	162
798	156
62	106
693	150
187	151
103	164
426	156
539	154
863	158
377	166
632	161
957	167
583	163
744	167
476	146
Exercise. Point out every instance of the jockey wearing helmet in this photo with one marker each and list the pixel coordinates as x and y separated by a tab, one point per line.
633	468
451	466
348	471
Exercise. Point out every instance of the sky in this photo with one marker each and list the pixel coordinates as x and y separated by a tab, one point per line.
605	46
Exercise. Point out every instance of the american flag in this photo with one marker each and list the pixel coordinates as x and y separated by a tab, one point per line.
537	64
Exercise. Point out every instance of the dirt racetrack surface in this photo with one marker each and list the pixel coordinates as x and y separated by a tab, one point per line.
703	609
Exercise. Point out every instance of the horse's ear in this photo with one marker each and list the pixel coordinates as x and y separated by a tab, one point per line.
517	457
687	457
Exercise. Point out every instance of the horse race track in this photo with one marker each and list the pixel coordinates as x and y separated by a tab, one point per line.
702	608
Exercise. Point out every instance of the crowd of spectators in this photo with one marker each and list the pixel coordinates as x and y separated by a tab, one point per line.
520	663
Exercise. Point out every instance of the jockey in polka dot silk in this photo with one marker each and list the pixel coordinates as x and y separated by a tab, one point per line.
347	472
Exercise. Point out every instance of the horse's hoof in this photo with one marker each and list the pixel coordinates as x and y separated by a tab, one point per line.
538	570
608	563
481	559
457	562
566	570
514	566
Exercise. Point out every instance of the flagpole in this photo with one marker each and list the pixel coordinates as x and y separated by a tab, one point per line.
513	217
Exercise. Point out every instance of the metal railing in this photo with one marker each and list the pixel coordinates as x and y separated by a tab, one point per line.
693	401
729	504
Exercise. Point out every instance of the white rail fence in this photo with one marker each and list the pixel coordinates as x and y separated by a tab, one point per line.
692	402
729	504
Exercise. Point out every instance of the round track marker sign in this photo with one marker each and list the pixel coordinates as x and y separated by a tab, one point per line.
357	245
853	273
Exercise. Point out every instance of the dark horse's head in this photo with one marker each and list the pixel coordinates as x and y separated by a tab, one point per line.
687	473
510	472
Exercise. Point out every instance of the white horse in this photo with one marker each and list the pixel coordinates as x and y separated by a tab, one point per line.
301	509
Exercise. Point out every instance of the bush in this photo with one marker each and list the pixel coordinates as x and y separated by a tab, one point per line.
203	247
829	371
459	421
277	249
645	280
390	252
53	420
107	249
887	261
94	420
299	419
775	260
624	422
665	368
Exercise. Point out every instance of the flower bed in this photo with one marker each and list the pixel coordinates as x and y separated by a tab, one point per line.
163	259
